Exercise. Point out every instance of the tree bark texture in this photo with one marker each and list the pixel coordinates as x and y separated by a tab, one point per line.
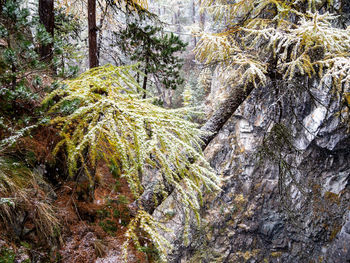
46	16
100	35
145	78
224	112
201	16
93	56
194	20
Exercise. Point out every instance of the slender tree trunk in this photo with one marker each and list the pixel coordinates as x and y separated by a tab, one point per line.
201	17
159	88
145	78
93	59
144	86
178	21
194	19
46	16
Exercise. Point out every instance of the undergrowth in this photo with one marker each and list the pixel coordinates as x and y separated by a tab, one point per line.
23	192
101	116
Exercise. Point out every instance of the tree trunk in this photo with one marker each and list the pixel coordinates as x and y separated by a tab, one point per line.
201	17
159	88
148	201
145	78
224	112
93	59
194	20
144	86
178	21
46	16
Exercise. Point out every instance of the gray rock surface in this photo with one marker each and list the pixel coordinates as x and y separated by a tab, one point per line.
286	171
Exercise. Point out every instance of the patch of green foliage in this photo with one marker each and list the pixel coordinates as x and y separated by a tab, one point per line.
19	58
151	252
301	37
7	256
157	51
108	226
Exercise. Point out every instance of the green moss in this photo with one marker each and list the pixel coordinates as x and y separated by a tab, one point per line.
151	252
7	256
170	214
26	244
108	226
124	222
334	232
276	254
116	213
332	198
247	255
103	213
122	199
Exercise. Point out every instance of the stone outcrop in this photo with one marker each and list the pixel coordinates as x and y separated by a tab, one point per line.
285	162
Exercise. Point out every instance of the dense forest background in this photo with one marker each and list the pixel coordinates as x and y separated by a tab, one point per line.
116	116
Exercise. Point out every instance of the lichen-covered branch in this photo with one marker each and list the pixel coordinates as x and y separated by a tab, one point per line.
214	124
149	200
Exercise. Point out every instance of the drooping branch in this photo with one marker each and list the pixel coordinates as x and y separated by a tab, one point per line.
149	200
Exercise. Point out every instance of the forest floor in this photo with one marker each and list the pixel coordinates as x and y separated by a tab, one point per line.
92	228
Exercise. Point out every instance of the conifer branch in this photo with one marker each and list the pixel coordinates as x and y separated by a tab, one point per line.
103	117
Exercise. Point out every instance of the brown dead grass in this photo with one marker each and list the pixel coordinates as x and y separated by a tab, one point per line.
28	205
83	238
41	143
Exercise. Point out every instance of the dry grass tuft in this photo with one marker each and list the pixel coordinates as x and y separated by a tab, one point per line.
24	199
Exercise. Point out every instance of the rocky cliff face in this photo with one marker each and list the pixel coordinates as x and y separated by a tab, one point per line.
285	162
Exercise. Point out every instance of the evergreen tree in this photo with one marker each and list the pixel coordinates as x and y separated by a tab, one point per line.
156	51
19	58
67	49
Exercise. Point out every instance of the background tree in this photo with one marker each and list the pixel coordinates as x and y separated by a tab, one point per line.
158	53
68	53
46	15
92	28
20	63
